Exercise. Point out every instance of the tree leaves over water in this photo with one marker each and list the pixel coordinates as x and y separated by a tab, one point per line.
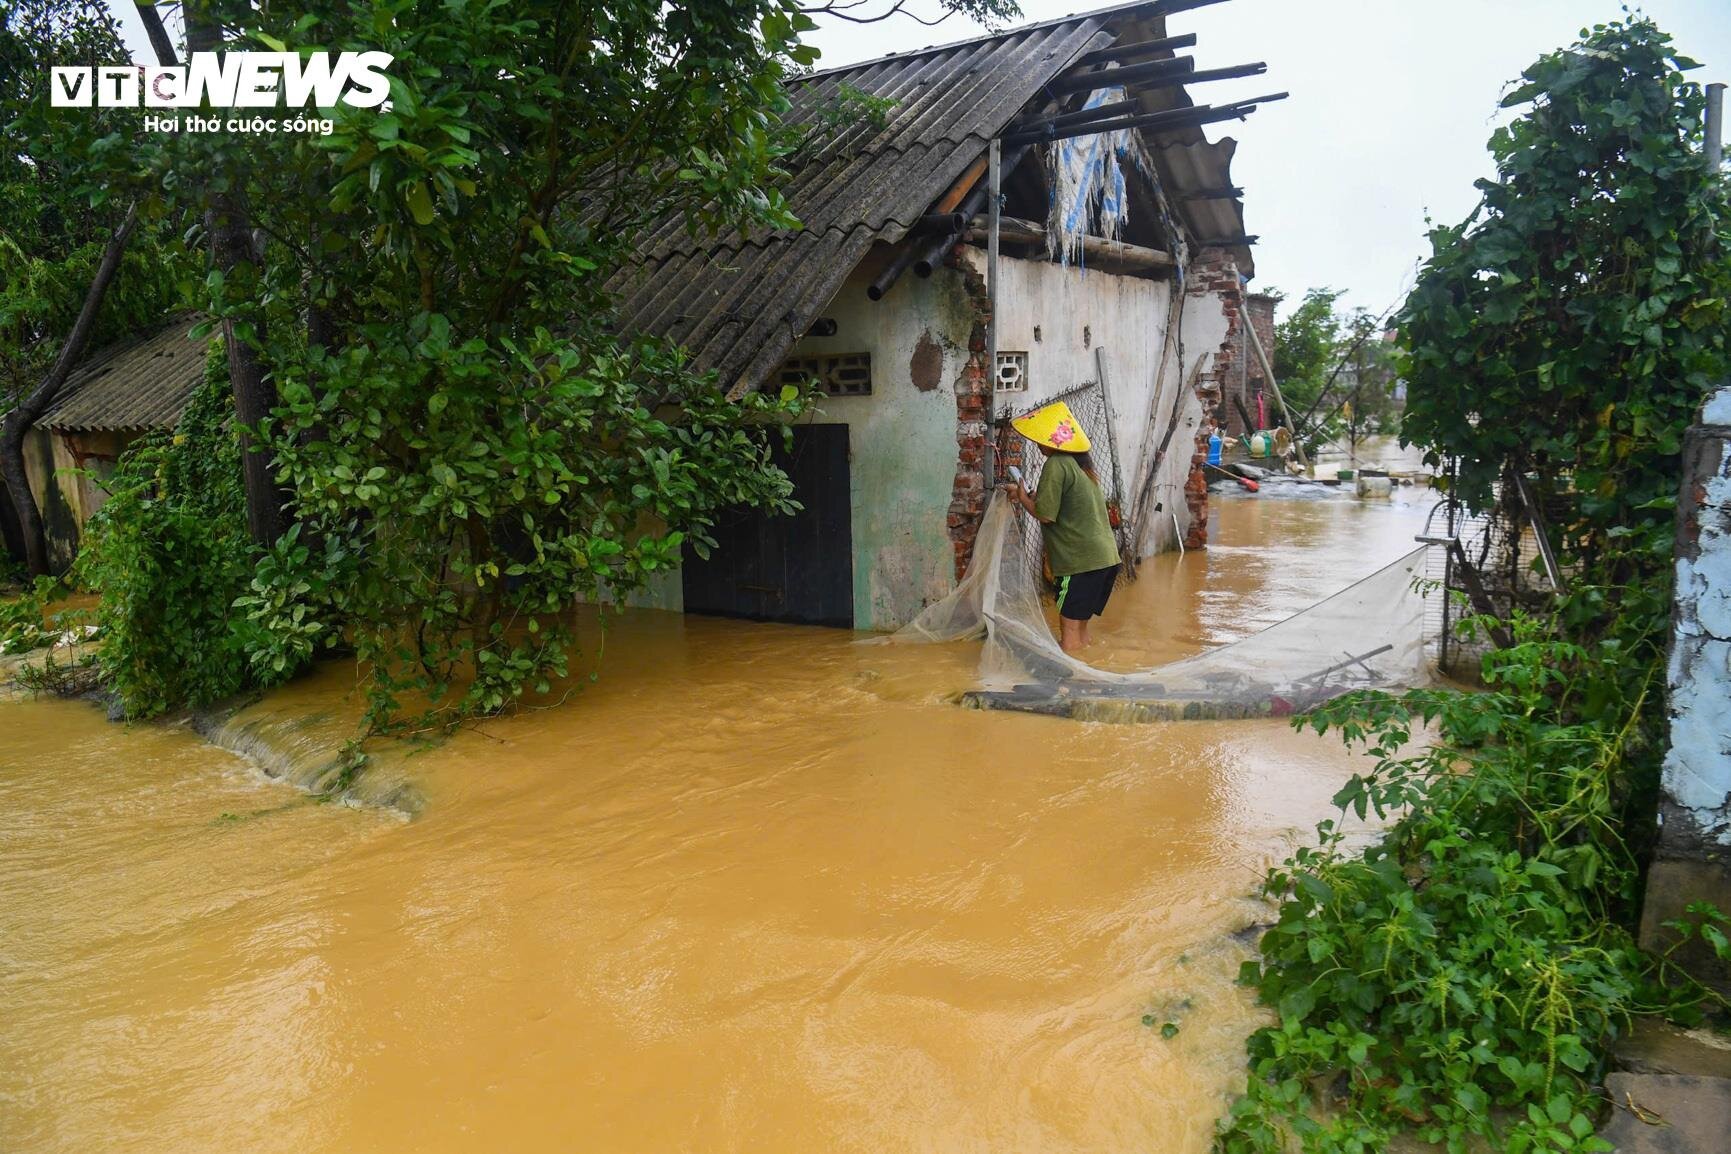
1464	977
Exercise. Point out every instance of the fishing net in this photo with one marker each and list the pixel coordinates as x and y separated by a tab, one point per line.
1370	635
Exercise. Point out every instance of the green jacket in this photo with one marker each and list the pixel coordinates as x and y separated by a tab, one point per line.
1078	534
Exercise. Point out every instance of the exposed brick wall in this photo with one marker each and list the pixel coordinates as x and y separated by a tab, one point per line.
1259	307
973	391
1212	273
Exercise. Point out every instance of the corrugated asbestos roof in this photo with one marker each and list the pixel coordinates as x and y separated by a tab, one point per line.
132	385
1201	166
739	303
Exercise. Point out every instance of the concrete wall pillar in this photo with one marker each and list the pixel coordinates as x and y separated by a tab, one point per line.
1693	862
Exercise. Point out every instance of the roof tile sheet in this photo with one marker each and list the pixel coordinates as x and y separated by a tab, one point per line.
132	385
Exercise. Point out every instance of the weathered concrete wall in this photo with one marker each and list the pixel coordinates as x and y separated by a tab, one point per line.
65	471
1697	778
1694	858
902	437
915	441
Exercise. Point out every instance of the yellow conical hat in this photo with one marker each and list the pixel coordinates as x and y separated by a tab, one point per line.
1054	426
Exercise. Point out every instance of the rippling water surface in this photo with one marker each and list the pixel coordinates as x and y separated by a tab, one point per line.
757	889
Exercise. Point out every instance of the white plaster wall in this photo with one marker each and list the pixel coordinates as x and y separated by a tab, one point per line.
1697	773
1077	312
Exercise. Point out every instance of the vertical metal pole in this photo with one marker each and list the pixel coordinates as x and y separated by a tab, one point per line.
994	201
994	180
1715	126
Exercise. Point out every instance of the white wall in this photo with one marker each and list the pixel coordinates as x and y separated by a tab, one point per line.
1078	311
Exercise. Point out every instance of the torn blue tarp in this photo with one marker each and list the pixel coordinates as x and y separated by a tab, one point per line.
1087	180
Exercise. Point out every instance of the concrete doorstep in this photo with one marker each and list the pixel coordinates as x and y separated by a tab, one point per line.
1668	1114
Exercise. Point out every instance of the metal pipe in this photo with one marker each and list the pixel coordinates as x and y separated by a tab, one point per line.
933	256
924	259
1122	52
941	221
1715	126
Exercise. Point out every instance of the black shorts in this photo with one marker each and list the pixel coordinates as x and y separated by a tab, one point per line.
1084	595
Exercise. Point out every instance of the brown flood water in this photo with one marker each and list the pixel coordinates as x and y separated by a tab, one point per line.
757	889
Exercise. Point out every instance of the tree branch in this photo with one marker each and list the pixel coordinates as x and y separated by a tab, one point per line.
19	420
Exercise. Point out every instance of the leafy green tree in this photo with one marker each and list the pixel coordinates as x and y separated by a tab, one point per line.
1572	324
467	444
1465	976
1305	344
78	237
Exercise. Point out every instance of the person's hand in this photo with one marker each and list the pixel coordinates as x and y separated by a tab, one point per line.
1016	493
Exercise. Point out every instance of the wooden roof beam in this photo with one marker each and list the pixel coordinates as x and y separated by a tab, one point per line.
1094	248
1119	53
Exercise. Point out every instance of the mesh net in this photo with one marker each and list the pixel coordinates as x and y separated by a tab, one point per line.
1371	634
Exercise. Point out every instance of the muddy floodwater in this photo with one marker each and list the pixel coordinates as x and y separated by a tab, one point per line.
757	889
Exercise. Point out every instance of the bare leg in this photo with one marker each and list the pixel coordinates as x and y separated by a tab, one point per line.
1087	635
1072	635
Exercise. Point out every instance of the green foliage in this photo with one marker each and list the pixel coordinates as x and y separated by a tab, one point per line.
1572	324
473	448
1307	345
168	554
1475	959
465	494
1466	975
1336	374
58	174
25	620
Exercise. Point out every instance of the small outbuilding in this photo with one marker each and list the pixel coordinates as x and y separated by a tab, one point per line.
119	393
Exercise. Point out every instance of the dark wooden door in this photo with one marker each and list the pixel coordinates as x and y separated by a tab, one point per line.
779	568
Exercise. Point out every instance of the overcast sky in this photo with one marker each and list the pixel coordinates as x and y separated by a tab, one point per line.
1392	101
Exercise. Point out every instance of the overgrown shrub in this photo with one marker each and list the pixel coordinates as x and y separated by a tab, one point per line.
1478	956
168	554
1466	975
457	498
25	622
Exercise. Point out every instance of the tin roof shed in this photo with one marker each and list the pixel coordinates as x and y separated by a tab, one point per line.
133	385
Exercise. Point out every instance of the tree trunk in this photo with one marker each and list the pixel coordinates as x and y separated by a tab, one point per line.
19	420
231	248
157	34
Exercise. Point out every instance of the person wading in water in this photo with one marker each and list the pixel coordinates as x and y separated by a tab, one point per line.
1080	546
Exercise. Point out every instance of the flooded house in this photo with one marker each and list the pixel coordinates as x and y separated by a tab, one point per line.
1119	286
